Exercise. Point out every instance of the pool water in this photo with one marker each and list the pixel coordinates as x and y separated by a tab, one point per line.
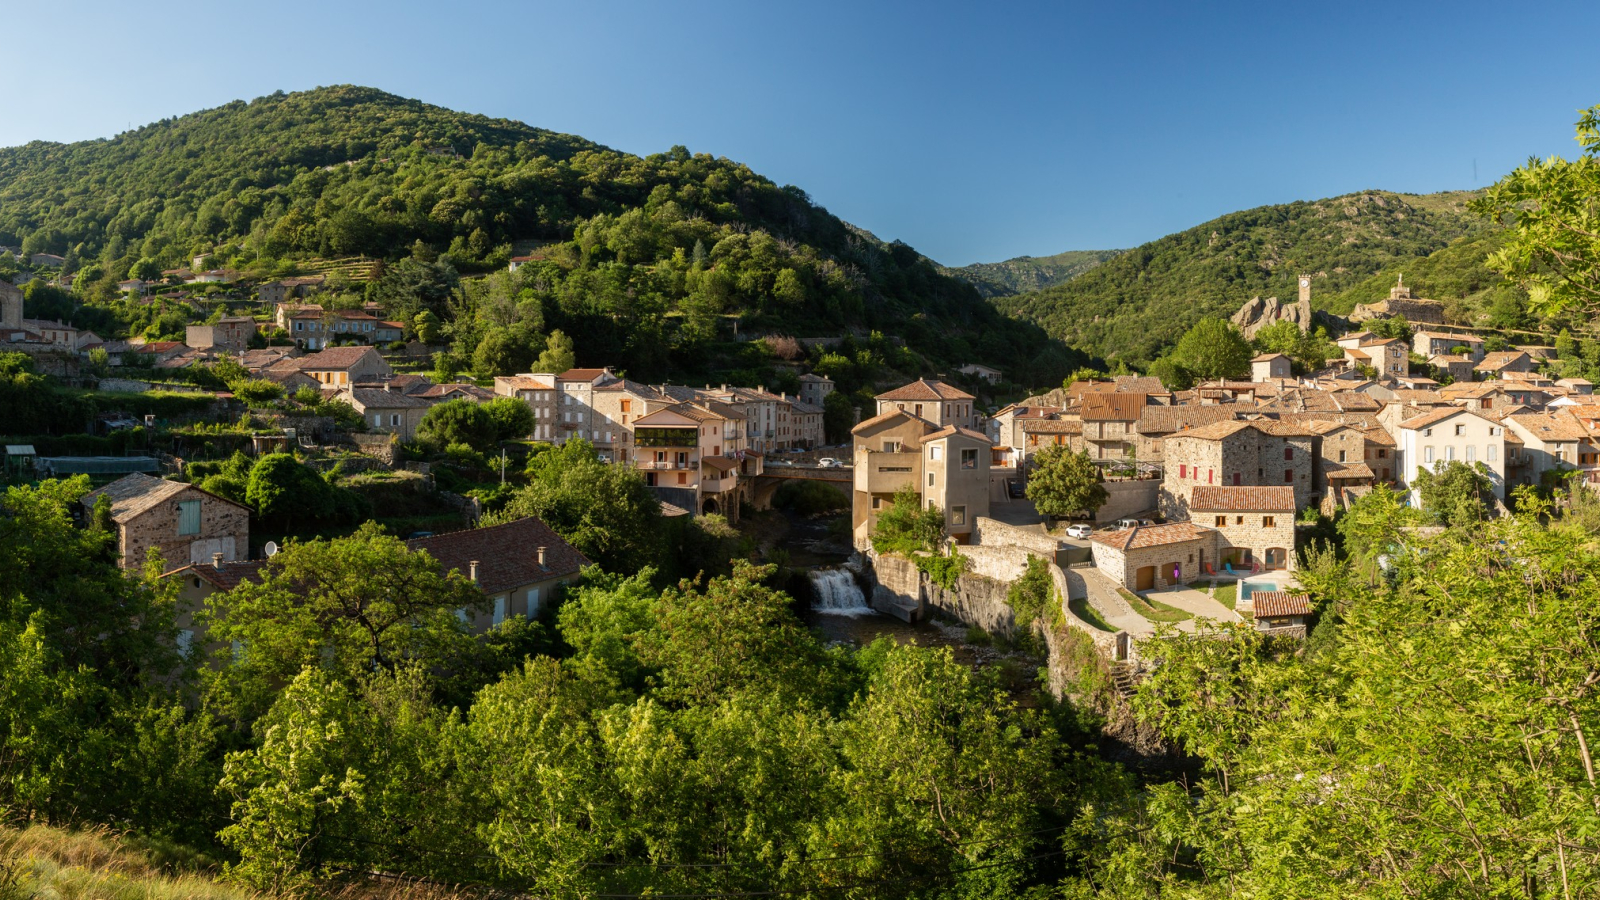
1245	587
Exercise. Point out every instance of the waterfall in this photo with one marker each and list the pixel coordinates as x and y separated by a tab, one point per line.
836	594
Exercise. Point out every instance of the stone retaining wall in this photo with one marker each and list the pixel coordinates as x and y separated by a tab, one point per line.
1128	498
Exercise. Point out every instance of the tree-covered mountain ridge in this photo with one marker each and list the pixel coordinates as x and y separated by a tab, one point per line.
677	239
1022	274
1136	304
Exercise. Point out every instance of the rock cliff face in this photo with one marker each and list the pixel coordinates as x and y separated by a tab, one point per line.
1257	314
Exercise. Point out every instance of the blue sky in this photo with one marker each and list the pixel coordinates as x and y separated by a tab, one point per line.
973	131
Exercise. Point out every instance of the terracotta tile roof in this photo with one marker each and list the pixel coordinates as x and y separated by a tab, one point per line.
379	398
1473	390
1437	415
335	358
524	383
952	430
1151	536
1349	470
582	374
1554	426
1220	430
1140	384
1280	603
925	389
224	578
1118	407
135	494
507	555
1242	499
884	417
1267	357
1445	359
1495	361
1419	397
1169	419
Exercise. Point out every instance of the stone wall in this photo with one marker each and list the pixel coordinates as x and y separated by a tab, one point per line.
994	533
976	600
1128	498
123	386
1252	534
382	447
224	528
896	586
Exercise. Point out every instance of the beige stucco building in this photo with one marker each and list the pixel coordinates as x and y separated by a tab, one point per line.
947	467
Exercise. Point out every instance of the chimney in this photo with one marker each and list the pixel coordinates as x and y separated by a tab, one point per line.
216	560
472	567
541	556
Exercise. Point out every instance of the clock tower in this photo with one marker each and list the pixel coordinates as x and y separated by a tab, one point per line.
1305	289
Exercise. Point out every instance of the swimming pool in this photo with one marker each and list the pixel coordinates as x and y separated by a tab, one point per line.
1245	587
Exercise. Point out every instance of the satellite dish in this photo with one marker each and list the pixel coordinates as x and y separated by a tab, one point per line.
272	549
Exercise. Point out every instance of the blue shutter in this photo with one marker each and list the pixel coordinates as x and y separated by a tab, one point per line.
189	517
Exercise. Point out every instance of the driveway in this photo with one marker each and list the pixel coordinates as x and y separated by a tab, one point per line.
1197	603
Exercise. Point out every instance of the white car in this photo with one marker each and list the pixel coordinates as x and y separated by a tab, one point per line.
1079	530
828	462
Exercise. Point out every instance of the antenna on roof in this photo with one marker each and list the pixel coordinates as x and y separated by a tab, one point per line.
271	548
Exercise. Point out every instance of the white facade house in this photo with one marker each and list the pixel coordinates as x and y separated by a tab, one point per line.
1448	435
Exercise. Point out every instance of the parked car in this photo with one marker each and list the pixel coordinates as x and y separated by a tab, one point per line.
1129	523
1016	489
1079	531
828	462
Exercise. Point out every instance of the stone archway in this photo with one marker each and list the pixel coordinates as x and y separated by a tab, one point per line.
709	507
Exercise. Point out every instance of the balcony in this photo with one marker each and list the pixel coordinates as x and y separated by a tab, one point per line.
666	465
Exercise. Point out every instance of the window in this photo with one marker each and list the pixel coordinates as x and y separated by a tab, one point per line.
627	406
499	610
930	479
189	517
877	502
1288	476
958	515
1472	453
1288	453
969	459
1236	479
1491	454
683	477
1450	453
1427	454
1427	432
933	453
1238	520
533	603
1183	471
891	446
1460	430
1222	521
1383	453
1341	456
185	641
1266	521
394	419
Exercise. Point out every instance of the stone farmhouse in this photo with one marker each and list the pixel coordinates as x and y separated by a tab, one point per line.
1257	453
181	521
1255	524
520	565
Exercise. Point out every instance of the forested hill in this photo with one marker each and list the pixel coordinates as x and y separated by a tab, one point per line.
644	259
1138	303
1029	273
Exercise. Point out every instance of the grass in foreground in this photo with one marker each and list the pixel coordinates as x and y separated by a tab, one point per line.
1227	595
1154	610
1080	607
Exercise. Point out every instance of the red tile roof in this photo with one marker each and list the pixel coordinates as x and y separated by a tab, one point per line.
1118	407
1228	498
925	389
334	359
507	555
1151	536
1280	603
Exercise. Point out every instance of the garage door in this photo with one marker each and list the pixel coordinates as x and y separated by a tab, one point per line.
1144	579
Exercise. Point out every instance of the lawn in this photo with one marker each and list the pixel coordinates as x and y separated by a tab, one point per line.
1154	610
1080	607
1227	595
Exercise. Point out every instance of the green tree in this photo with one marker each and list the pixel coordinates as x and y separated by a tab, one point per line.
284	490
426	326
1455	493
558	355
838	417
905	526
512	419
146	269
258	391
606	511
459	422
503	351
1213	349
1064	483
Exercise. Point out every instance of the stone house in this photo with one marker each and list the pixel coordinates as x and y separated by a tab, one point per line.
197	581
1459	368
933	401
519	565
1551	441
342	366
1155	556
1495	365
229	333
539	392
181	521
1109	421
1341	462
1270	367
1239	454
814	389
387	410
1434	343
1256	525
1157	423
1578	387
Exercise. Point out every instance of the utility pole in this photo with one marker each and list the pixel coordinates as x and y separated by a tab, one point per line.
502	467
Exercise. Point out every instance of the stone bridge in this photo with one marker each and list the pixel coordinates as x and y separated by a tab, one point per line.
774	475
